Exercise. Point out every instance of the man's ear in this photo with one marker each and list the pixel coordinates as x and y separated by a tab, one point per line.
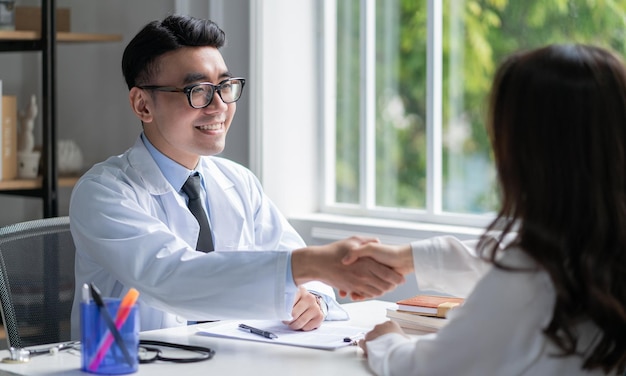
140	103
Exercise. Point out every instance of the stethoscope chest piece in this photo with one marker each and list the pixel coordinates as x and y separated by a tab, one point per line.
17	356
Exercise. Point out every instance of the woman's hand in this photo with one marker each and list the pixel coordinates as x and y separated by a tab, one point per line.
379	330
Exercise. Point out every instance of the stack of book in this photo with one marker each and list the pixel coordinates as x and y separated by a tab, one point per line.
423	313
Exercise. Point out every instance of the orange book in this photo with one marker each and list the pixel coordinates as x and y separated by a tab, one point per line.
429	305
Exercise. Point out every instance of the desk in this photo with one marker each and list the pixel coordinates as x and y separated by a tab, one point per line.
233	357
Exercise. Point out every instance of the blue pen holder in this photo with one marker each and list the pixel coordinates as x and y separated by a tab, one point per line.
100	354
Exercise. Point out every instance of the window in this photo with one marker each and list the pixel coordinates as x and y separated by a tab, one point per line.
405	87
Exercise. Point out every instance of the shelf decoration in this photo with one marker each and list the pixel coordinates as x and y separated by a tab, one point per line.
27	156
69	157
7	14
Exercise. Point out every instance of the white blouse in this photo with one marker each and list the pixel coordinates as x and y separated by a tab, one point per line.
498	330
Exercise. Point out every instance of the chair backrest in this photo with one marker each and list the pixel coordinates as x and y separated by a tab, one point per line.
36	281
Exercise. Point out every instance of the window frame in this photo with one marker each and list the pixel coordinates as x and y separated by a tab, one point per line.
288	140
433	212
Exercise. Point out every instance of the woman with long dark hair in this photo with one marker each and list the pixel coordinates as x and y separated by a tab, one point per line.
546	284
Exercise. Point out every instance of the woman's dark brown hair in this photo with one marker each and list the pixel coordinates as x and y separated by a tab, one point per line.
557	122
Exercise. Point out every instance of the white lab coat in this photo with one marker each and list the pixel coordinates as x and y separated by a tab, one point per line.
132	229
497	331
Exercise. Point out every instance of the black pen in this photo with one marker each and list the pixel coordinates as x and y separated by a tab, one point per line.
354	340
108	320
259	332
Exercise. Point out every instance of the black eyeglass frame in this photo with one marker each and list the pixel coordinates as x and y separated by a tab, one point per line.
188	89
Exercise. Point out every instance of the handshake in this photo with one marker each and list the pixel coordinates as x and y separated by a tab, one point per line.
360	267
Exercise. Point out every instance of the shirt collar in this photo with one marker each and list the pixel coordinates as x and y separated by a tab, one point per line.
174	173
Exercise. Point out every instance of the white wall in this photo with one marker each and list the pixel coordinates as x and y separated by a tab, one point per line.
286	114
92	97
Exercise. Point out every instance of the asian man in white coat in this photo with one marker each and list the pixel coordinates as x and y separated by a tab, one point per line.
132	227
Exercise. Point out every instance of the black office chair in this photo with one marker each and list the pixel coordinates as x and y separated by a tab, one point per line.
36	281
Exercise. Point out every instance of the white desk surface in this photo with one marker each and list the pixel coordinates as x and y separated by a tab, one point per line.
233	357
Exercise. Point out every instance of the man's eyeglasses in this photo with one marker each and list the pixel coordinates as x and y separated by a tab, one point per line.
201	95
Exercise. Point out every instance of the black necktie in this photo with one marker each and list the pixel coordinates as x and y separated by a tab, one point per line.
192	189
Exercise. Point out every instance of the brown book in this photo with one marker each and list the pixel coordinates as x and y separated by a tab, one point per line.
8	138
429	305
29	18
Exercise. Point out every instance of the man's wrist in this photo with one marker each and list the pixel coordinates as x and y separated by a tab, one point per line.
303	265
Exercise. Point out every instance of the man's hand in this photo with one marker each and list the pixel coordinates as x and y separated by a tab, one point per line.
362	277
379	330
398	257
307	313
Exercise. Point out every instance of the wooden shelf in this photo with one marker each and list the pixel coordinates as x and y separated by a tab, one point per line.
18	35
61	36
19	184
68	181
87	37
45	42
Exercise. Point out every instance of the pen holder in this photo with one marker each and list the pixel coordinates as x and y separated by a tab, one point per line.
100	352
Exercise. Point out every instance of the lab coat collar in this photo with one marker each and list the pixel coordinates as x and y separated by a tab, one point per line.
223	199
207	167
140	159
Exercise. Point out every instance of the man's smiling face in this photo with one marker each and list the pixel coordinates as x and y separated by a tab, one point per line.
175	128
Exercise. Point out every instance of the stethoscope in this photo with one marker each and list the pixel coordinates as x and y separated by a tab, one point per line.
148	353
21	355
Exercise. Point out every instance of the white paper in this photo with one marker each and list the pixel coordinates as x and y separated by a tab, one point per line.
329	336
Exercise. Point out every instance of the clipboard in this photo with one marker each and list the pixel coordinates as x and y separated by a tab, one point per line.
329	336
